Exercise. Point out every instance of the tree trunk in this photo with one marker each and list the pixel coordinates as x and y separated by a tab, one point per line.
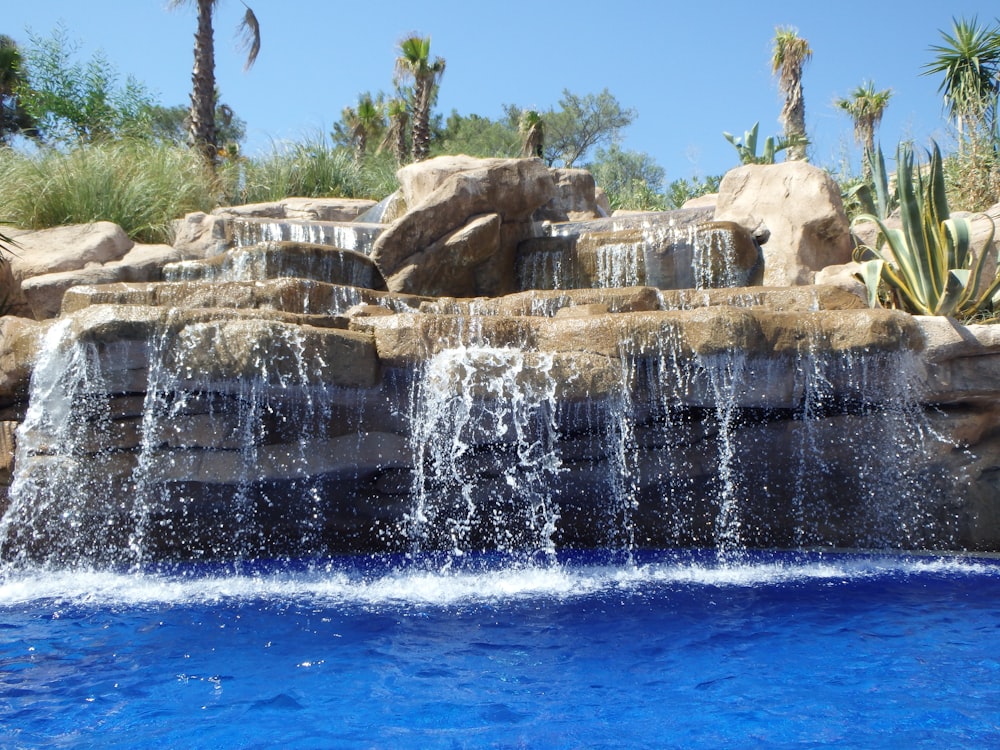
421	118
793	117
203	134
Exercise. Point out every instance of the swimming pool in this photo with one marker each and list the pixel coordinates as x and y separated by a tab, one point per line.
664	650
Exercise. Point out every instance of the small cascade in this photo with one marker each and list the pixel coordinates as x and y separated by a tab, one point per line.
619	265
679	250
714	262
484	442
64	434
275	260
547	268
356	236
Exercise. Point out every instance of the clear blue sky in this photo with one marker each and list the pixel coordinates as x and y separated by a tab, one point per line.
691	69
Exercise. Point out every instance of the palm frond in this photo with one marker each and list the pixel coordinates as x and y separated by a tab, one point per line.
250	36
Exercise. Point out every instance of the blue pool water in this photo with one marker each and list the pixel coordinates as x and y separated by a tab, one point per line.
666	651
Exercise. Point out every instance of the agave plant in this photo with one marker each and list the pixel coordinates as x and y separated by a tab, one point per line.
747	146
929	264
875	195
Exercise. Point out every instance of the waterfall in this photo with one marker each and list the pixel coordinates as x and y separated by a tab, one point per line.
197	434
180	444
485	455
356	236
67	504
619	265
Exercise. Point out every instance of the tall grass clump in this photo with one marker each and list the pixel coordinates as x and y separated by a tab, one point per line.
140	185
314	168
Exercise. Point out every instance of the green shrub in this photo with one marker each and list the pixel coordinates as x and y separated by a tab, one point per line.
313	168
138	184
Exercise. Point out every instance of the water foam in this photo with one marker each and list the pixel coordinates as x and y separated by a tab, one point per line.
347	584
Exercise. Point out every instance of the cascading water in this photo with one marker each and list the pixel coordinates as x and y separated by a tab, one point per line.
236	447
355	236
484	439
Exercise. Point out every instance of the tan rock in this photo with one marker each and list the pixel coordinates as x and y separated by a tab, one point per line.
801	207
448	265
200	235
309	209
447	199
68	248
574	200
20	339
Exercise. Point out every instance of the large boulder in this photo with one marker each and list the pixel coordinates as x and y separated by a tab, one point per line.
443	195
200	235
59	250
575	198
67	248
800	206
19	342
44	294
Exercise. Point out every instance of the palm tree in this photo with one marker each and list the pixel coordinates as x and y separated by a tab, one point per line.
790	52
203	93
532	134
969	60
414	63
866	107
395	134
363	123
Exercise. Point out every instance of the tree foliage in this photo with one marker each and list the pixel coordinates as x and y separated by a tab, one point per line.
968	62
865	106
71	101
171	124
581	124
414	64
475	135
631	179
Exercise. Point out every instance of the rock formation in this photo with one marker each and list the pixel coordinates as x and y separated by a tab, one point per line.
277	398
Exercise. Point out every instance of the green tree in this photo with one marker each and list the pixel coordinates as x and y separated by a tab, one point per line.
395	133
581	124
632	179
414	64
170	124
681	191
362	124
789	54
969	63
69	101
476	135
13	117
204	133
866	106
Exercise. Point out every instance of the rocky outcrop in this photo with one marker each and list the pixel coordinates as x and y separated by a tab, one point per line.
251	406
801	207
44	294
575	198
19	341
200	235
443	195
60	250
